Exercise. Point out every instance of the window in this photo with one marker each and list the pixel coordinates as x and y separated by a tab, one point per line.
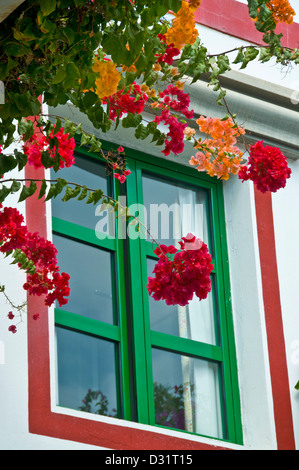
119	352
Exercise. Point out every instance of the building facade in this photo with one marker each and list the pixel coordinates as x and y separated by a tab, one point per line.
101	374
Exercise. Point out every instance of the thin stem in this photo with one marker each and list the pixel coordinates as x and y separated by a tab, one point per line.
104	196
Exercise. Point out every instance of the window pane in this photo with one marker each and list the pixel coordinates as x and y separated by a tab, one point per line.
84	172
187	393
173	210
91	278
86	373
195	321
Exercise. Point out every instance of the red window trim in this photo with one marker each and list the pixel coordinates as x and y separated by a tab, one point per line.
231	17
274	324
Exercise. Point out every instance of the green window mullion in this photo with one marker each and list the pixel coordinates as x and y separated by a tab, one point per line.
87	325
230	380
81	233
144	244
186	346
123	326
137	320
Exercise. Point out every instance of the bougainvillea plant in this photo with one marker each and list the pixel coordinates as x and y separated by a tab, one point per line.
114	61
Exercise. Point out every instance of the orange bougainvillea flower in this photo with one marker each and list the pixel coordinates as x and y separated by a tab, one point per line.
183	29
281	11
194	4
218	156
109	77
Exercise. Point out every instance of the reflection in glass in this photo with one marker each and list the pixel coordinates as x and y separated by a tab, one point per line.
187	393
90	271
84	172
195	321
173	210
86	373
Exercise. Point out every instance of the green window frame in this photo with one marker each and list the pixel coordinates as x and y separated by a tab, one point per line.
131	332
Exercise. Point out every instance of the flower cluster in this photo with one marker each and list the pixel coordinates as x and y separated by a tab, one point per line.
175	136
183	30
34	148
44	277
177	100
170	52
177	280
281	11
106	84
11	316
132	101
172	98
116	166
218	156
267	167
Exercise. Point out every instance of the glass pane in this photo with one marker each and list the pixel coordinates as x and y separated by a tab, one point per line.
85	381
187	394
93	176
91	278
173	210
195	321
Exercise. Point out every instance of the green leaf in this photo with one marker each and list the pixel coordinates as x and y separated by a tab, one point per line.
253	8
60	76
43	189
71	193
15	187
4	192
47	6
297	385
57	126
26	129
7	163
21	159
46	159
85	139
131	120
90	198
83	194
56	188
97	195
27	191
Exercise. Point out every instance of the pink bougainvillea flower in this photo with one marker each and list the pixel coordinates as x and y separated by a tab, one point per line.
178	278
267	167
46	278
12	328
35	146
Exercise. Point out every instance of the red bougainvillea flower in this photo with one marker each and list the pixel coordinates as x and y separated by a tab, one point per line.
45	278
131	101
12	328
178	278
170	51
267	167
35	146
